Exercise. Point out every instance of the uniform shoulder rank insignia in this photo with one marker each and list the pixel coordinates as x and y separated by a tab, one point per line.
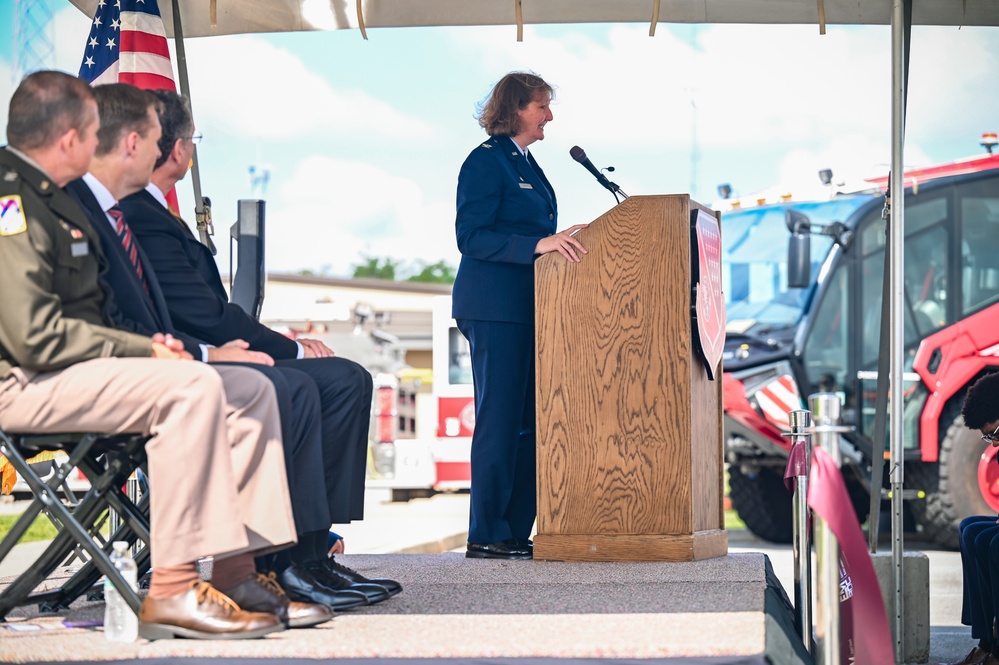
12	219
487	145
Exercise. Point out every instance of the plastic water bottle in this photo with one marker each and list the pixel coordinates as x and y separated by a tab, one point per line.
120	622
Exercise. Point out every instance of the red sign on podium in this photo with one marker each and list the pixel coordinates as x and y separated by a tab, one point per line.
709	302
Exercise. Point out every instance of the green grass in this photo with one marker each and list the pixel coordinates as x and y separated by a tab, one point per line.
732	520
41	529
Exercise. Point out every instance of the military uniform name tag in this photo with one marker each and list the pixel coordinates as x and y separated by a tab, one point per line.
12	219
78	249
526	185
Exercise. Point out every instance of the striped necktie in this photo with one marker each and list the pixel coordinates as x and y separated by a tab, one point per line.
128	242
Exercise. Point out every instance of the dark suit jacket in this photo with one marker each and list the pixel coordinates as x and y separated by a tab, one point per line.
505	206
136	310
191	284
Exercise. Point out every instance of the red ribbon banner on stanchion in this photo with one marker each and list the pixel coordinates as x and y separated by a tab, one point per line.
797	465
828	498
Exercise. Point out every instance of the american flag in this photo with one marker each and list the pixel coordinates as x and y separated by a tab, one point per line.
127	44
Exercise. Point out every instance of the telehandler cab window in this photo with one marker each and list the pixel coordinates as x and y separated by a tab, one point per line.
979	205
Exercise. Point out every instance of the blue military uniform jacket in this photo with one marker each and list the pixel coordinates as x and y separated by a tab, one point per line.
505	206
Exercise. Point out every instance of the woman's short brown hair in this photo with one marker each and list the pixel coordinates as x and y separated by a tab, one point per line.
514	92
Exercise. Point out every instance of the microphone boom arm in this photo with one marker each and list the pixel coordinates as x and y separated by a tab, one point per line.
579	155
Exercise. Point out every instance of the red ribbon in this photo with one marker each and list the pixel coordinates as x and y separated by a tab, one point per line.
797	465
828	498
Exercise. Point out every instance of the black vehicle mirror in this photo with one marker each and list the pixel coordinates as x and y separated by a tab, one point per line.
799	249
799	260
797	222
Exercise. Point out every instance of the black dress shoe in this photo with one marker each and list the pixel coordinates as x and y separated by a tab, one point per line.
355	577
327	576
302	586
262	593
511	548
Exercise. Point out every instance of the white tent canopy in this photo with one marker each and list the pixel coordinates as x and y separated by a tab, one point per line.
202	18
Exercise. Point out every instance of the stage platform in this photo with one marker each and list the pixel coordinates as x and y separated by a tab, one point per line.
726	610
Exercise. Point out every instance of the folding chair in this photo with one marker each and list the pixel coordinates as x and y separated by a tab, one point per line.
107	461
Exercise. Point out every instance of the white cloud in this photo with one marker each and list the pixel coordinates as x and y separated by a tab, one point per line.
953	84
244	86
751	85
338	210
71	27
6	90
850	160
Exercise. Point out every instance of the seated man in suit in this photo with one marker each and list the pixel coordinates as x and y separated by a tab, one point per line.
979	536
118	169
197	304
214	454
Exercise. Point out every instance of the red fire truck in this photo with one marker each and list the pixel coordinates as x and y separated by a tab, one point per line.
785	343
423	422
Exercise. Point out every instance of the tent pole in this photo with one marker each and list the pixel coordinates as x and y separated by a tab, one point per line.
203	216
897	237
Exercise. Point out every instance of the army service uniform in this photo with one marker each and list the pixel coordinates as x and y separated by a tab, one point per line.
215	447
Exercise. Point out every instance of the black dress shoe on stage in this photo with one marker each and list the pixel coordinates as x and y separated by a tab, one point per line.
302	586
328	576
355	577
511	548
262	593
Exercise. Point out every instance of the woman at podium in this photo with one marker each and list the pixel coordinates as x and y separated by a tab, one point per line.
507	216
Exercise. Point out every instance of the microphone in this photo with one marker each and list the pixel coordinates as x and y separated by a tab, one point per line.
579	155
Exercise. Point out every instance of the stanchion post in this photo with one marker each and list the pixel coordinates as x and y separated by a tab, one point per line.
826	413
801	421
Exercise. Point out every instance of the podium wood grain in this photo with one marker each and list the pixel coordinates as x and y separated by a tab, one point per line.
629	426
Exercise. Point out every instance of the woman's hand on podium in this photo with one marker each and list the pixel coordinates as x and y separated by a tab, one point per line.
563	243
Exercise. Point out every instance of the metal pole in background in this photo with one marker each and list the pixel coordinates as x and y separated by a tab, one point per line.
202	214
800	421
826	411
897	238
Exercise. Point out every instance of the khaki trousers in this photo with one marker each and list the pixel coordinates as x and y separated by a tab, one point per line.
216	465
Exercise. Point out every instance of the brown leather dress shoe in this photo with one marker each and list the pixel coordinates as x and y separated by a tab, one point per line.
976	656
991	660
202	613
262	593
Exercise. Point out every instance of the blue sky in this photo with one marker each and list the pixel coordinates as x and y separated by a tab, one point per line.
364	140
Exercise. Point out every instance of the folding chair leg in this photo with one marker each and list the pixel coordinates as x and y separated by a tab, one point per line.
86	579
71	530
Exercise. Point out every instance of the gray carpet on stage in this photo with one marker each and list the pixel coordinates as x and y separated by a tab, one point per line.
718	611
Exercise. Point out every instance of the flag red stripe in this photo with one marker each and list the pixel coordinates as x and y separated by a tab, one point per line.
147	81
143	42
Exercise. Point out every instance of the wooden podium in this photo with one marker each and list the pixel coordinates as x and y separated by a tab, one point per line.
629	423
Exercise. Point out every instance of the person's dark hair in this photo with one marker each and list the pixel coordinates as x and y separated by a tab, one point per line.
176	121
123	108
46	105
514	92
981	404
